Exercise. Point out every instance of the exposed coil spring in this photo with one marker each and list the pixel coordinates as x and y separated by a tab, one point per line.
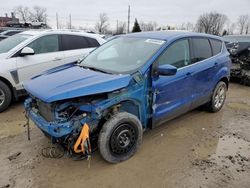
53	152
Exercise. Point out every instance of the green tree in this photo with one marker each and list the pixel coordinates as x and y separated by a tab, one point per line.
136	27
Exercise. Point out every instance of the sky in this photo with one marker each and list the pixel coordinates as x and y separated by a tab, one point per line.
165	12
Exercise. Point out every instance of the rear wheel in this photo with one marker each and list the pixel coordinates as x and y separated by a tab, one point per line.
5	96
218	97
120	137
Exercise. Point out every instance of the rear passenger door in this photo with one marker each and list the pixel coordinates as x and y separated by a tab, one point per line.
204	65
76	47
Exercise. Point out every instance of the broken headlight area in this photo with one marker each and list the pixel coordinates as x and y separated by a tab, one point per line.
70	123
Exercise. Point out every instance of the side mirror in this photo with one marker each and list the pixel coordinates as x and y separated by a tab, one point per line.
27	51
166	70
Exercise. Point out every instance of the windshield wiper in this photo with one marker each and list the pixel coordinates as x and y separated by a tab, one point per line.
93	68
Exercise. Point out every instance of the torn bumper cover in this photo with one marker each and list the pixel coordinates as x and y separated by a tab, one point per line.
53	129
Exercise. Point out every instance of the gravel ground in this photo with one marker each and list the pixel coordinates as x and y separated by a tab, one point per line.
198	149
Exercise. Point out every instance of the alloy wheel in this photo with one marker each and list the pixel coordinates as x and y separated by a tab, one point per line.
220	97
2	97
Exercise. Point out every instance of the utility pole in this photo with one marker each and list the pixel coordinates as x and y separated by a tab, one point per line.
116	26
57	24
128	18
69	21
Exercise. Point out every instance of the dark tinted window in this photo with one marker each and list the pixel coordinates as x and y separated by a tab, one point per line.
12	33
72	42
177	54
45	44
92	42
216	46
202	49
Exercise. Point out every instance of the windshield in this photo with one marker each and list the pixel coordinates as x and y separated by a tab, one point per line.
11	42
122	55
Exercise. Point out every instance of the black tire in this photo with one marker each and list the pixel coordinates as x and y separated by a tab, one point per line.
125	128
5	96
218	99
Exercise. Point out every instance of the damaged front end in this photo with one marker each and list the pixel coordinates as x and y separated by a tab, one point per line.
75	123
68	123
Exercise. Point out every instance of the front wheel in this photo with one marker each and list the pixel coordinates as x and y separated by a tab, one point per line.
120	137
5	96
218	97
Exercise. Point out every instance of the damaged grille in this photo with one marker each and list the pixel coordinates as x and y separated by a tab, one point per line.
46	111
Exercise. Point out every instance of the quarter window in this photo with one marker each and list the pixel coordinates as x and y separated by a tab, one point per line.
92	42
216	46
202	49
73	42
177	54
45	44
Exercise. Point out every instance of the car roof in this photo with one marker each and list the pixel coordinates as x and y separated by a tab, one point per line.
166	35
57	31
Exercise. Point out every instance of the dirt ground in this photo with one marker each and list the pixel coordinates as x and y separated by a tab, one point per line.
198	149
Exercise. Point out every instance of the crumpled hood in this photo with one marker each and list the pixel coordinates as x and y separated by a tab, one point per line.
73	82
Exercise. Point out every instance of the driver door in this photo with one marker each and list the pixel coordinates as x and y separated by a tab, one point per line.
172	95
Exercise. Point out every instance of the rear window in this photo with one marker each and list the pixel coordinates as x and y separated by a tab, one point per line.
73	42
216	46
201	49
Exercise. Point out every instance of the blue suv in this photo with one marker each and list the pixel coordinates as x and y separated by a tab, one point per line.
131	83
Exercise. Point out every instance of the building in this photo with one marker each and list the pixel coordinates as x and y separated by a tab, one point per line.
6	19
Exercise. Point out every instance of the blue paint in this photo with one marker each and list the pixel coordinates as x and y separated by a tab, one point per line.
74	82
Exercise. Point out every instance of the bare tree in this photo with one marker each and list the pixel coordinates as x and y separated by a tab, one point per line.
244	24
39	14
102	25
211	23
230	27
23	13
186	26
150	26
247	30
121	28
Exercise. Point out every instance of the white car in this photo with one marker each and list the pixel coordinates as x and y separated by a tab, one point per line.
27	54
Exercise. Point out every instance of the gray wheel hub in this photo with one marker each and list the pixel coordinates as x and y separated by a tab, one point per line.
2	97
219	97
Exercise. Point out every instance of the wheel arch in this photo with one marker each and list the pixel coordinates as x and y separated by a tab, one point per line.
8	83
126	105
226	80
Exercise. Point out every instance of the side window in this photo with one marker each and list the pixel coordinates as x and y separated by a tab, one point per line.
202	49
12	33
73	42
177	54
45	44
216	46
92	42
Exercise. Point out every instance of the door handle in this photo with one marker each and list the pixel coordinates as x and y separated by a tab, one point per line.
189	74
216	64
57	59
